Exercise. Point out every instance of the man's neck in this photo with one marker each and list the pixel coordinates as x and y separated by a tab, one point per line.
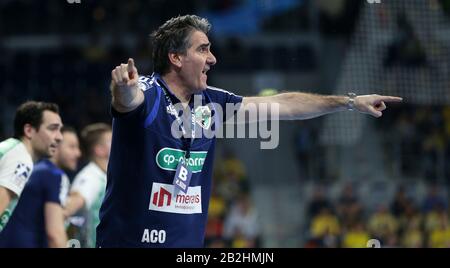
180	91
101	163
27	144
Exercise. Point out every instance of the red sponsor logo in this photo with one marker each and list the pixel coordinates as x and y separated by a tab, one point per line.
164	198
159	197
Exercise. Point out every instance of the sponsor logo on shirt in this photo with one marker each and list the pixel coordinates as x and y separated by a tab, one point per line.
162	199
21	175
203	116
168	159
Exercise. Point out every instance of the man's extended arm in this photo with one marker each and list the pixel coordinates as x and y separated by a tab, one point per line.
6	196
297	105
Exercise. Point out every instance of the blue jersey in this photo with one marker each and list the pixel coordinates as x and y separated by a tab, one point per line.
26	228
140	208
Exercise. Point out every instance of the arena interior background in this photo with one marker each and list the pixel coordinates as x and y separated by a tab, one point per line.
336	181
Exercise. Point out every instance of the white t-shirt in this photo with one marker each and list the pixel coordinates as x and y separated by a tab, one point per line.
90	183
16	165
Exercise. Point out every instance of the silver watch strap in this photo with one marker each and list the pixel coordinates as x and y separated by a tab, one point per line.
351	101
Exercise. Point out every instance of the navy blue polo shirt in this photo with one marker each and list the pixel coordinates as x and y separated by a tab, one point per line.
140	208
26	228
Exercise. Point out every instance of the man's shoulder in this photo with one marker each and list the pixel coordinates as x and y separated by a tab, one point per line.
90	171
5	145
146	82
216	90
14	150
222	96
45	169
12	145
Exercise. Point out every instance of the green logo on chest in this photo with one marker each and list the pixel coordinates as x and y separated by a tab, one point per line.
168	159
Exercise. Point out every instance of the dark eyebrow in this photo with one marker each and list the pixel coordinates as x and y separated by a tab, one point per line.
204	45
55	125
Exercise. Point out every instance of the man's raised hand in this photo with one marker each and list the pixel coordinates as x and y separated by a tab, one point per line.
125	75
126	95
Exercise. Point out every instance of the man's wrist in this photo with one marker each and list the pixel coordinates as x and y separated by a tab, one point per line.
351	101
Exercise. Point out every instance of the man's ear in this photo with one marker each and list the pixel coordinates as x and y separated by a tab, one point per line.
28	130
175	59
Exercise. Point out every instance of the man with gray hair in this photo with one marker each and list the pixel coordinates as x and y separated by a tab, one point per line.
159	184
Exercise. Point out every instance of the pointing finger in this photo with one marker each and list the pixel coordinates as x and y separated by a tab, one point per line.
391	99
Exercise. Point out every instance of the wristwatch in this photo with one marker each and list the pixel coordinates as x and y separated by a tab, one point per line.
351	101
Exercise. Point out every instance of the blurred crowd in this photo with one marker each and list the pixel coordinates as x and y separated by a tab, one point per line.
403	221
232	217
103	16
419	141
416	146
415	139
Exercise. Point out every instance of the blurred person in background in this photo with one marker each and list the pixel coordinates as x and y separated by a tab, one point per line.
434	199
349	208
38	220
356	237
434	218
412	236
241	224
88	188
325	228
382	224
411	227
36	135
439	237
233	178
319	200
217	210
400	202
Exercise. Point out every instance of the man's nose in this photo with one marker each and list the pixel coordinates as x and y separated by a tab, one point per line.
211	60
59	137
